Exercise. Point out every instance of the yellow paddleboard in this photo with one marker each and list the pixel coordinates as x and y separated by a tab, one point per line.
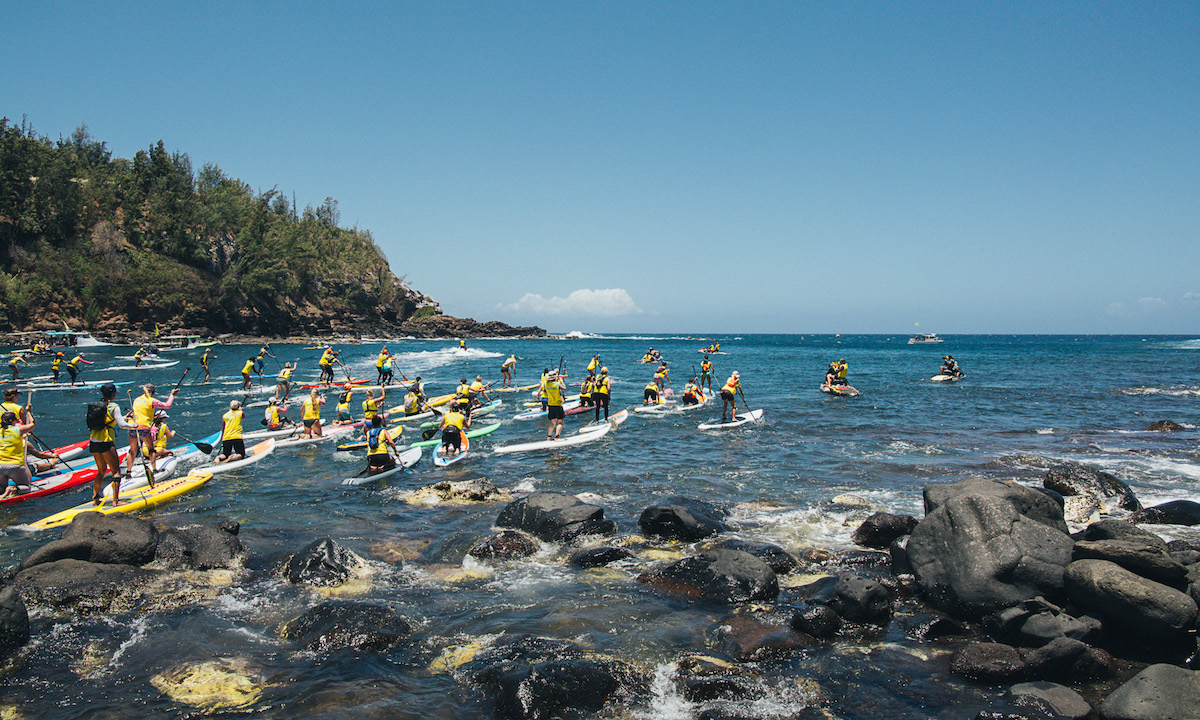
146	498
440	400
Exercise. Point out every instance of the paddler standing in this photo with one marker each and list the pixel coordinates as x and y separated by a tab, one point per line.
506	370
143	420
137	356
729	392
389	376
103	418
552	390
264	351
706	373
12	366
312	414
73	367
204	362
54	366
246	370
326	365
283	385
601	392
233	447
379	361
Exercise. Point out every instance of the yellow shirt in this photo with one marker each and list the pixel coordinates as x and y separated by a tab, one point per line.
456	419
14	408
379	360
233	425
601	385
108	433
160	442
143	411
380	446
552	392
12	447
284	374
732	384
312	409
249	366
370	408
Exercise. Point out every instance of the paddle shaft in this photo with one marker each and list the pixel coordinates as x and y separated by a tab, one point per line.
141	455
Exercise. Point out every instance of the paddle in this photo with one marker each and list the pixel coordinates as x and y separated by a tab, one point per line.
181	377
47	448
201	446
344	369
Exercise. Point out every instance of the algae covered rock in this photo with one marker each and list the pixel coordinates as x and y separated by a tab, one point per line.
322	563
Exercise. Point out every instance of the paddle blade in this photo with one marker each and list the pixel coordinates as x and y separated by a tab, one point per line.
428	434
204	448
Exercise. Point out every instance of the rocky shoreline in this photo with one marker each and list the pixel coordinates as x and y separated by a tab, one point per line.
1099	623
428	327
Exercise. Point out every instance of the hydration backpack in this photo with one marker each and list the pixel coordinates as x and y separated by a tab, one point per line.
97	415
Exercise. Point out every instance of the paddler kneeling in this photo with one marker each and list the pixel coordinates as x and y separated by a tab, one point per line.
453	425
412	402
650	395
692	395
274	417
378	441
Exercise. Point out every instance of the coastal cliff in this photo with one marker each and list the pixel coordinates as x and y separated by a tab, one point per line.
119	247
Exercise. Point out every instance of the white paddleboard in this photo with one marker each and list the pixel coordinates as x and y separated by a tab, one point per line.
404	460
613	422
440	460
568	441
741	419
253	455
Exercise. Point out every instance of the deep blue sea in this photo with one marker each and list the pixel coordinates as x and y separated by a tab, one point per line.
1025	401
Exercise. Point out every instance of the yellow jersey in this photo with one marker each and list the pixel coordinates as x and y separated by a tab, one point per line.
233	425
12	446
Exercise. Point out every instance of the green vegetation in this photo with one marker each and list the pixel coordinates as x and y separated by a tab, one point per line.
86	238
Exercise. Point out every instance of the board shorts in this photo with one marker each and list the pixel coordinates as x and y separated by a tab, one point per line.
452	437
96	447
138	434
236	446
650	395
14	475
556	412
726	395
308	422
380	462
504	369
691	400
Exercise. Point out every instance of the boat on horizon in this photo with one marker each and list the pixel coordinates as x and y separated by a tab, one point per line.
924	338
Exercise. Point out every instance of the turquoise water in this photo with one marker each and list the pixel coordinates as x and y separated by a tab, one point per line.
1082	398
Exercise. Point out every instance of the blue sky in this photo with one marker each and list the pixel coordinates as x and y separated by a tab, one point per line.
685	167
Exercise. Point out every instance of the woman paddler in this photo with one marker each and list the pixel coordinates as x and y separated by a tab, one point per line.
729	392
103	420
12	366
233	446
13	472
454	424
312	414
73	366
601	392
246	370
143	420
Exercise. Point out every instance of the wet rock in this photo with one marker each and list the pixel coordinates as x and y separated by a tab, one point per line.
1149	560
1067	660
531	678
477	490
717	576
1176	512
992	663
213	685
14	622
116	539
898	550
749	640
1164	426
1041	699
1081	509
819	621
854	598
716	688
504	545
337	625
880	529
321	563
83	586
1160	692
864	559
599	557
1114	529
692	666
555	517
931	627
1135	605
682	519
1075	479
778	558
1035	622
1026	501
977	552
204	547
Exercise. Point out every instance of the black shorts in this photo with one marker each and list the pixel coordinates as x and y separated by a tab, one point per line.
727	396
308	422
600	398
556	412
381	462
96	447
233	447
650	394
452	437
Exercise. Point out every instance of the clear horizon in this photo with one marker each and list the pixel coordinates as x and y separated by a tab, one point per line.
992	168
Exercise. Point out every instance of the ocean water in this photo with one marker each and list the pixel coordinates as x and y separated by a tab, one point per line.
1026	401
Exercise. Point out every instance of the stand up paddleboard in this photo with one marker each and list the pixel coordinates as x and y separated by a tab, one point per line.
737	421
404	460
568	441
840	390
946	378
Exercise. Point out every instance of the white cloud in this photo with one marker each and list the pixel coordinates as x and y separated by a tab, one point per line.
1150	304
1191	296
613	302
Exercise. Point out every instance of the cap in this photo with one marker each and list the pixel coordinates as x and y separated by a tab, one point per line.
234	404
160	414
735	374
272	401
108	389
603	371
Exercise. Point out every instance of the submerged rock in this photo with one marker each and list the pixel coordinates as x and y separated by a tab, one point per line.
214	685
504	545
993	663
321	563
749	640
682	519
1164	426
14	622
1040	700
203	547
986	546
83	586
532	678
479	490
599	556
1160	692
361	626
778	558
555	517
1075	479
717	576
